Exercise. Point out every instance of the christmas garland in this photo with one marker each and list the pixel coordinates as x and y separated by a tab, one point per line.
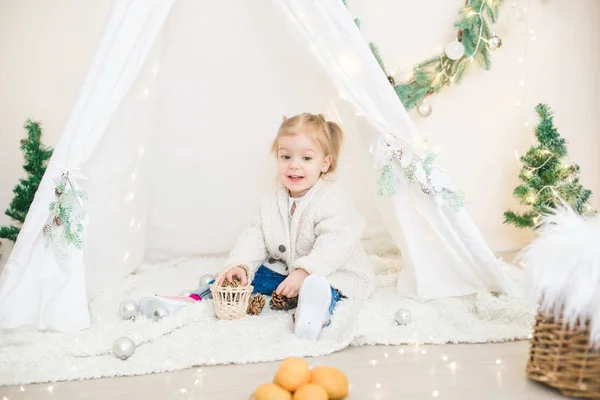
473	43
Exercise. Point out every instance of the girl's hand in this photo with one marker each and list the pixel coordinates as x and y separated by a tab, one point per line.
231	273
290	287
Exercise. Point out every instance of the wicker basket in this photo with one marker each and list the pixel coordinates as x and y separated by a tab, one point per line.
563	358
230	302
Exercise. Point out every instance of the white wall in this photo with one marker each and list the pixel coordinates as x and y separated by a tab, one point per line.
45	49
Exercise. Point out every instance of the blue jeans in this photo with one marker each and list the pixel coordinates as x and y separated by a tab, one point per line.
266	282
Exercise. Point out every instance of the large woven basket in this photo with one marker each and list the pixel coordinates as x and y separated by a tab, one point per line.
563	358
230	302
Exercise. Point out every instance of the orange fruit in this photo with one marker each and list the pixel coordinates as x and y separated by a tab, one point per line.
332	380
270	391
310	392
292	373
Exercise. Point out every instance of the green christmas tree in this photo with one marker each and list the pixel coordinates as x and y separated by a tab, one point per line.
548	179
36	158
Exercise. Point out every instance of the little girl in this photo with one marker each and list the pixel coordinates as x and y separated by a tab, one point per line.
305	242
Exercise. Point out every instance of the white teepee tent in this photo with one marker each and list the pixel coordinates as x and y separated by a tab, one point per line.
169	139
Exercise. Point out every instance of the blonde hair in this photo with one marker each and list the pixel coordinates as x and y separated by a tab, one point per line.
328	134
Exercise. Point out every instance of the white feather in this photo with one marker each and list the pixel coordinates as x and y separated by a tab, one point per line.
563	269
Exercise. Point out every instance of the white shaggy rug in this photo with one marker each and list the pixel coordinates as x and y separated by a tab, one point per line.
194	337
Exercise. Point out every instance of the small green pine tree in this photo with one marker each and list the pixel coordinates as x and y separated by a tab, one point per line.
36	157
547	180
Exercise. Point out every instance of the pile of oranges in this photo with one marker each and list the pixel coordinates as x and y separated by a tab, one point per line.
295	380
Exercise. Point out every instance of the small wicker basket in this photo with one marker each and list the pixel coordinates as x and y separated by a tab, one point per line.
230	302
563	358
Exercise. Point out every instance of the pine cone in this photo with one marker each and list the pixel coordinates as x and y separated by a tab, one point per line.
280	302
255	304
47	230
57	192
234	283
392	80
57	220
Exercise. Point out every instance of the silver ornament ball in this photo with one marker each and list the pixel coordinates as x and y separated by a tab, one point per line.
123	348
454	50
424	109
206	280
402	317
494	43
128	310
160	313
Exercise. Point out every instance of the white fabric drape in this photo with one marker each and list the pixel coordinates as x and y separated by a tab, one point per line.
36	288
445	255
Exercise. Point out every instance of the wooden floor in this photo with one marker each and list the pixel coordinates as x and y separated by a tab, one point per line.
476	371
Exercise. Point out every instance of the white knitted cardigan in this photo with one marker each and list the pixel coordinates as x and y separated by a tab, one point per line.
322	237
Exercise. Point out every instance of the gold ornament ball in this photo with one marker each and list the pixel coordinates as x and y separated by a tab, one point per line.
424	109
494	43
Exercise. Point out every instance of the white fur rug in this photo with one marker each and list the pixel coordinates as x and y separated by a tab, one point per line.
194	337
